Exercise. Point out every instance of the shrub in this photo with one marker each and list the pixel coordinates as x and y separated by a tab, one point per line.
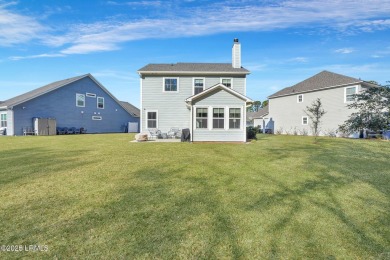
251	132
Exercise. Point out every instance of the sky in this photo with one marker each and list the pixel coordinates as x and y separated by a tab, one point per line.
283	42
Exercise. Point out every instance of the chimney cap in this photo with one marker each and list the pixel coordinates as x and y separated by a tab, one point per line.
235	40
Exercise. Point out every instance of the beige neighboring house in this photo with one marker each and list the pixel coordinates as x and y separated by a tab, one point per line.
261	120
287	106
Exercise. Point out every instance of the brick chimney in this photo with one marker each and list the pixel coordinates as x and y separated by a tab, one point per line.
236	54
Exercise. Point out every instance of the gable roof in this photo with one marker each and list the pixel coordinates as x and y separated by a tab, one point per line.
192	68
220	86
134	111
322	80
40	91
56	85
259	113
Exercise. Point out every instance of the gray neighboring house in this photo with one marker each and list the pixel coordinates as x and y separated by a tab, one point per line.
287	106
207	98
261	119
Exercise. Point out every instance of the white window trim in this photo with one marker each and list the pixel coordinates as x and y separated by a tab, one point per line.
345	93
146	117
307	120
91	95
298	98
208	112
212	118
6	119
97	118
231	81
97	103
84	99
241	118
226	118
163	85
193	84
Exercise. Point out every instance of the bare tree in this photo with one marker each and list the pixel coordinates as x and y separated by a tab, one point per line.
315	112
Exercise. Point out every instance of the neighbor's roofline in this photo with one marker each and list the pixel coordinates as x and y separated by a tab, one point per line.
312	90
67	83
140	72
48	91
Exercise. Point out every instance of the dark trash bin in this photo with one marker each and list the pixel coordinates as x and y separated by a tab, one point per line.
185	135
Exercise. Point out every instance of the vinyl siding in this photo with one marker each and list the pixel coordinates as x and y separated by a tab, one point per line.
221	99
10	121
171	106
287	113
60	104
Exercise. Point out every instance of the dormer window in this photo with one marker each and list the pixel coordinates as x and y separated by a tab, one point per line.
300	98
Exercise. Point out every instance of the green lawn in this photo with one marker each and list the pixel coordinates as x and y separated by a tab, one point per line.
100	196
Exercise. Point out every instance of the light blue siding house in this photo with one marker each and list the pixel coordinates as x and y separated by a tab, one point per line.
75	102
207	98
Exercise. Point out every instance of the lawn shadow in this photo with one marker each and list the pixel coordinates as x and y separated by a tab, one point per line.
28	163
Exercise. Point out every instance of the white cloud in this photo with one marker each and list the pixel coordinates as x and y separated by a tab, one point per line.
137	3
45	55
16	28
107	35
299	59
344	50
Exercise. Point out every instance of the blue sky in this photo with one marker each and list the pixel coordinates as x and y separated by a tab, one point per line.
283	42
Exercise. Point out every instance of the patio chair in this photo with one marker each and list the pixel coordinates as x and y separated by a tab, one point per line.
83	130
71	130
60	131
65	129
173	133
154	133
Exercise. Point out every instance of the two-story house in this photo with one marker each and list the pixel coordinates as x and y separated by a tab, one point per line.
287	106
207	98
75	102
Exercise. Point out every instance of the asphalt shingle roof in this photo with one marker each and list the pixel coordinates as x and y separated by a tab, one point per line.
130	108
324	79
193	67
259	113
39	91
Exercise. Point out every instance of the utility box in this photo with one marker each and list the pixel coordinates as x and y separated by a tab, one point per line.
132	127
45	126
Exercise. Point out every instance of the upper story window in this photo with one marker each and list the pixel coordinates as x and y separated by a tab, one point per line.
3	120
100	102
300	98
349	92
201	117
80	100
234	118
218	118
305	120
198	85
171	84
227	82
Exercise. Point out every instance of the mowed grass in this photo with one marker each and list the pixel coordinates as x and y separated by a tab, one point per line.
103	197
